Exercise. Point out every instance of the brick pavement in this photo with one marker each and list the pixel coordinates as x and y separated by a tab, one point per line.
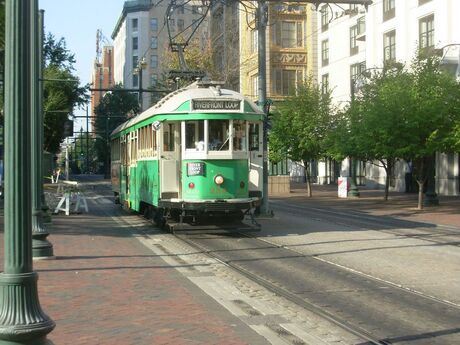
400	205
107	288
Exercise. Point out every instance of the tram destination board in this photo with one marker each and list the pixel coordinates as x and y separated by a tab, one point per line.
203	104
196	169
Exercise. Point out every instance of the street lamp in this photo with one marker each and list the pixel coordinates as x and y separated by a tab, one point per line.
138	71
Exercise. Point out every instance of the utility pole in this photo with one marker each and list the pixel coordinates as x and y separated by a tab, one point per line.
87	140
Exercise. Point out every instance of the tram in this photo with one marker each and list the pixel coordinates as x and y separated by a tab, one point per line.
194	156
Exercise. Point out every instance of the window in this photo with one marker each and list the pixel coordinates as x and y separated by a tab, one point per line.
134	24
218	135
288	34
353	10
180	24
355	72
194	135
135	61
239	135
426	32
135	80
180	9
135	43
286	81
172	24
325	83
168	137
153	80
388	9
325	52
154	24
254	41
389	46
255	86
153	61
154	43
354	49
254	137
195	9
324	17
361	25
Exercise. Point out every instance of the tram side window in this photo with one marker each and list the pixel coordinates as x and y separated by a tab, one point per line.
239	135
168	138
218	135
254	137
123	150
153	140
194	135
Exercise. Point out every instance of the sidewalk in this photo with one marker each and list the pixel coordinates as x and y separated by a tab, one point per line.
400	205
105	287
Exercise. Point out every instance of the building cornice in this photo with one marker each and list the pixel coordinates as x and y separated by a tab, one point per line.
131	7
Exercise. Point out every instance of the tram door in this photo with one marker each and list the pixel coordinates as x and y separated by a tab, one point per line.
255	158
170	160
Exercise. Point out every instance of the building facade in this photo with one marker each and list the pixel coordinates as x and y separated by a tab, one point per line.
102	78
290	49
142	40
353	39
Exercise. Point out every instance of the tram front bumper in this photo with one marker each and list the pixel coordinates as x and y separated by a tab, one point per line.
217	205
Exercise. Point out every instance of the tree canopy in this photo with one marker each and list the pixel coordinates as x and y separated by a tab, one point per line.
402	112
300	126
115	108
62	91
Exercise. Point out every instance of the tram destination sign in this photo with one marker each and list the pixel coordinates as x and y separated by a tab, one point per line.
204	104
196	169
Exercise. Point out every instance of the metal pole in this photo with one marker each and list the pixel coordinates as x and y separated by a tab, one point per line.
67	159
262	19
41	40
41	247
22	320
87	140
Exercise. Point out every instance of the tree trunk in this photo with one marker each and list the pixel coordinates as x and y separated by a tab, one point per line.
421	181
420	194
307	175
387	186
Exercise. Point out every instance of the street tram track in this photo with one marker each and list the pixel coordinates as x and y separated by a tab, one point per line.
286	294
302	299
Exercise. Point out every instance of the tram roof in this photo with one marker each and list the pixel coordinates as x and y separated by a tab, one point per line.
173	102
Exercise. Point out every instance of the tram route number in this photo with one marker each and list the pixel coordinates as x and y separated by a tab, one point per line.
196	169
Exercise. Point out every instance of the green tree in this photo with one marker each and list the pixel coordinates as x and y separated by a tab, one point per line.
115	108
62	91
408	113
370	128
300	127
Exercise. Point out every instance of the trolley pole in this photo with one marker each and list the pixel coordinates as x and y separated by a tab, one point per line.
22	320
262	20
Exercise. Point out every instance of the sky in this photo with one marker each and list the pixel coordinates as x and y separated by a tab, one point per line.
77	22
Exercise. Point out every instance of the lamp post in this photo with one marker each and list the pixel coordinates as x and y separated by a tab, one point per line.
22	320
138	71
41	247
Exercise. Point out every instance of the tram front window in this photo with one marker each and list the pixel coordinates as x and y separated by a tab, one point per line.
218	135
194	135
239	135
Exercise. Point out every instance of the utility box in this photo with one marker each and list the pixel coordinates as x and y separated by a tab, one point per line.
343	184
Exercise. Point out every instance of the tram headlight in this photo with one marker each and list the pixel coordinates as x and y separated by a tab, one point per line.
242	184
191	185
219	179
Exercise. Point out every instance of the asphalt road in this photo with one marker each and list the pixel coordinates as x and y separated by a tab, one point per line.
395	280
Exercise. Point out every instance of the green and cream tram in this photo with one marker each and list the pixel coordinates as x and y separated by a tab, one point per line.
196	154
